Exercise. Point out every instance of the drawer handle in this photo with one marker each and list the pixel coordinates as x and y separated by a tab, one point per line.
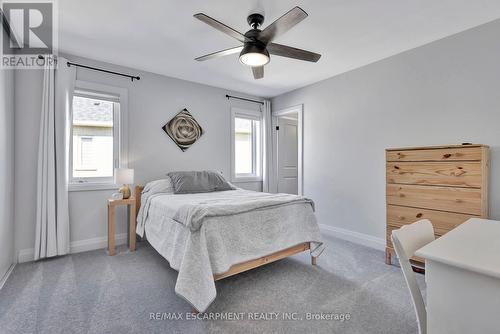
396	167
447	155
458	200
401	195
401	217
419	215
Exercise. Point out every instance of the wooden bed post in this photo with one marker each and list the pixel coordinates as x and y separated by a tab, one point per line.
137	194
388	256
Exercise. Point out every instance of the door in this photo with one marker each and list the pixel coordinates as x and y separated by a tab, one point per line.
287	131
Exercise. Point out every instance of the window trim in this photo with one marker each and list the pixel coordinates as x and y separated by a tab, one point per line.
256	159
121	131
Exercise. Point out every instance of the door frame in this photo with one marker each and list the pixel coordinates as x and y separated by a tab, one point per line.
299	109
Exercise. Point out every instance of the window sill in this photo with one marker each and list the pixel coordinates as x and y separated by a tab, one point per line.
245	179
92	186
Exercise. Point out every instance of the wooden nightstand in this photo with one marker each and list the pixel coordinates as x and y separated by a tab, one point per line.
112	204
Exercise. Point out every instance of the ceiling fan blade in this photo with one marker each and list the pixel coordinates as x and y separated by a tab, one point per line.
282	25
258	72
220	53
291	52
221	27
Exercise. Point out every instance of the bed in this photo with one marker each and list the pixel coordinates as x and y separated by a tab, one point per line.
210	236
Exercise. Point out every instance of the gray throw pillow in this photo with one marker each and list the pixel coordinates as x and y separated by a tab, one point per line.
198	182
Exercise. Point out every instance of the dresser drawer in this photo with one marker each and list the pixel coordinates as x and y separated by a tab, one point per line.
442	221
441	154
461	200
458	174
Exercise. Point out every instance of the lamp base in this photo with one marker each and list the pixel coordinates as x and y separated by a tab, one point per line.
125	190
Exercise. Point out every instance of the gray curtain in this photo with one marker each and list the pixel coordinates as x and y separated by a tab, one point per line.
52	213
268	168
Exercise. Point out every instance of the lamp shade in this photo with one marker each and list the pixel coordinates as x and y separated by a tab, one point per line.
254	55
124	176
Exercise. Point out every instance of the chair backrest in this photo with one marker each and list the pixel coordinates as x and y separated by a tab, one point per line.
407	240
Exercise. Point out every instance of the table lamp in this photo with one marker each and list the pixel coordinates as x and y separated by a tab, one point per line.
124	176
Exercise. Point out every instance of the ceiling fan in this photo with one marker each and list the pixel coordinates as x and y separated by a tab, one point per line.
257	44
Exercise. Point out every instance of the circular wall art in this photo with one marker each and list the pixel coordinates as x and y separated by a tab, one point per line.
183	129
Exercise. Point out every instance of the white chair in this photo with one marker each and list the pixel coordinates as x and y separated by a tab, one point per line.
407	240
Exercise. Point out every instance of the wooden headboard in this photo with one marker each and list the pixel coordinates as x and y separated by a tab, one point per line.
137	194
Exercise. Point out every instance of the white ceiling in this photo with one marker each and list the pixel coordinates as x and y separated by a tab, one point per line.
161	36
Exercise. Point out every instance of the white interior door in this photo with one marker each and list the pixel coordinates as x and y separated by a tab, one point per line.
287	155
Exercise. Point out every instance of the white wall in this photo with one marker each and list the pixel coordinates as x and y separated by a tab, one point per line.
6	171
446	92
153	101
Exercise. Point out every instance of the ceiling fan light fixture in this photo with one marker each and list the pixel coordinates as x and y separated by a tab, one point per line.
257	43
253	55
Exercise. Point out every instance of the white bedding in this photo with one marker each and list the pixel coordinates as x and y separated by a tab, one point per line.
222	238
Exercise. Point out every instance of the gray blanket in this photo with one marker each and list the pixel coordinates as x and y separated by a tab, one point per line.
227	203
205	234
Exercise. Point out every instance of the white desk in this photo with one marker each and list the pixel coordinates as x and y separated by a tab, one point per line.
462	272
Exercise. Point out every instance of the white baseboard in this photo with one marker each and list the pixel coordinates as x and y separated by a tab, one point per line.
96	243
28	254
7	274
352	236
25	255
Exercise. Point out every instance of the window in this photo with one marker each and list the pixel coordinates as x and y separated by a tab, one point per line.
87	154
96	136
246	145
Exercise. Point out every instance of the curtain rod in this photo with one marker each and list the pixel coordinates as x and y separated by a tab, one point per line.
242	98
132	77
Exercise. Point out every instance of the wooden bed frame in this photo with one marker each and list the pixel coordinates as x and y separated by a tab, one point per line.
244	266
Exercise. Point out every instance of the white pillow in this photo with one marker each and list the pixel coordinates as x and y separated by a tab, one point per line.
159	186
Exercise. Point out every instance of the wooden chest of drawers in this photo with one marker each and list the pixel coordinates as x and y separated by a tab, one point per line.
445	184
